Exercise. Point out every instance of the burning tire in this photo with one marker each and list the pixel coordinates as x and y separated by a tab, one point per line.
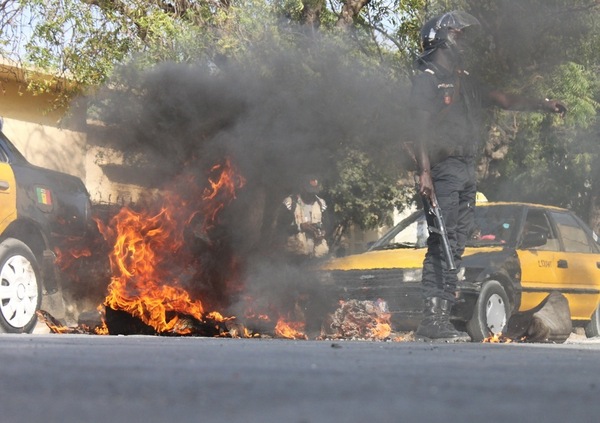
491	312
592	329
20	288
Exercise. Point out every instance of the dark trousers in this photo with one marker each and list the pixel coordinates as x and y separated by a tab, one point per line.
455	188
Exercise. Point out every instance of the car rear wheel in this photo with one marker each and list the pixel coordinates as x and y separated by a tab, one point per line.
20	287
592	329
491	312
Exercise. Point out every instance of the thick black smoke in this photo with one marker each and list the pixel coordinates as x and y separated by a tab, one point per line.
287	114
292	113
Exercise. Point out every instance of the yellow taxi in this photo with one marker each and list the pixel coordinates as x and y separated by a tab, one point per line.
38	209
518	254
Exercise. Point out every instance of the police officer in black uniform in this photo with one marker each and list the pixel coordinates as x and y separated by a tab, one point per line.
448	104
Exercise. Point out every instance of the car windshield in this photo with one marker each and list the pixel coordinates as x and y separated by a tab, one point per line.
409	233
494	225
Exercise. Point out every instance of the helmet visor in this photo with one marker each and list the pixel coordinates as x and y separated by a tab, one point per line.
457	20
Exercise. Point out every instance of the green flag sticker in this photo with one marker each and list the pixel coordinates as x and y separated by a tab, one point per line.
44	196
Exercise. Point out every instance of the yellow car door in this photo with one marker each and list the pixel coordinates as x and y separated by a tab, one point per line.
538	276
540	271
578	266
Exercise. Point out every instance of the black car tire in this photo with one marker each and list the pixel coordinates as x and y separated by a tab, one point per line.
20	287
491	312
592	329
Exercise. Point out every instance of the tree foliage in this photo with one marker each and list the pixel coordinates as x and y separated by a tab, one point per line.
550	52
542	48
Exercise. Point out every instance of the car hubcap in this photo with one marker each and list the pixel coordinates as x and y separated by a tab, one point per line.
495	313
18	291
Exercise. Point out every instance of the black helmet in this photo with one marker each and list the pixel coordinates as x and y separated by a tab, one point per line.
311	184
436	32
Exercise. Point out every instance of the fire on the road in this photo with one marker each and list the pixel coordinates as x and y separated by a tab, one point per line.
152	270
148	258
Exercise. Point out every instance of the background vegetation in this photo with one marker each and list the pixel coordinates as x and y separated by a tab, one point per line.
542	48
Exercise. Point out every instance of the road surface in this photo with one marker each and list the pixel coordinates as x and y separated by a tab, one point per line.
88	378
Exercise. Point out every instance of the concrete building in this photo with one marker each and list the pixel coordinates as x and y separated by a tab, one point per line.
59	138
46	137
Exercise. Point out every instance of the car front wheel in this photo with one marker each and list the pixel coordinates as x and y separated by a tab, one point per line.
592	329
20	287
491	312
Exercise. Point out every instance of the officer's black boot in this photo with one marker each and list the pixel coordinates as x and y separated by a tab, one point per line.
430	322
446	307
436	322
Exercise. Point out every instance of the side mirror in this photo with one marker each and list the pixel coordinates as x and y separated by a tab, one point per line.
534	239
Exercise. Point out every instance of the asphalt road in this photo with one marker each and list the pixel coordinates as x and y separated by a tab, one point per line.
87	378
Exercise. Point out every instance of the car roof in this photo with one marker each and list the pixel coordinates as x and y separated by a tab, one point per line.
518	203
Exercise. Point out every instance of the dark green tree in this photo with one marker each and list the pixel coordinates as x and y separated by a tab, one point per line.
543	48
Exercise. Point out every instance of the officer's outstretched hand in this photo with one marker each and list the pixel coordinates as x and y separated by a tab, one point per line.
554	106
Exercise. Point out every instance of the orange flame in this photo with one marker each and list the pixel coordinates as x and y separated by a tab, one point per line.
360	319
224	182
102	329
382	329
290	330
67	255
147	258
497	338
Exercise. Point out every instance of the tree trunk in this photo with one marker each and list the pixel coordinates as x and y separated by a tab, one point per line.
350	10
311	13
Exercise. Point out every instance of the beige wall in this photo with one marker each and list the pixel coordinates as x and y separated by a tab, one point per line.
46	146
48	138
17	103
100	186
43	136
